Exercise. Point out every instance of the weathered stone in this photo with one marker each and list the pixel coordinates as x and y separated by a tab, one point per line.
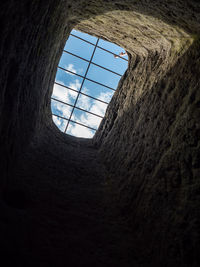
130	196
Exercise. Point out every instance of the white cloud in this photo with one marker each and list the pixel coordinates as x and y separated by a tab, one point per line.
106	96
79	131
61	109
90	120
64	94
96	107
75	85
70	67
60	123
72	94
99	107
85	90
84	102
57	120
60	92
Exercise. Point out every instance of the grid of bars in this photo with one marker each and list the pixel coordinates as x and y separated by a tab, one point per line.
79	92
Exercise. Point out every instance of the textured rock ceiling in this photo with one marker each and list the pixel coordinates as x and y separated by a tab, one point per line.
129	197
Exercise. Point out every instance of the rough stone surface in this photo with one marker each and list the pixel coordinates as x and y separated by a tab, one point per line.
130	196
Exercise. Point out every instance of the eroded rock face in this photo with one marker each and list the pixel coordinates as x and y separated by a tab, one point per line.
147	147
151	150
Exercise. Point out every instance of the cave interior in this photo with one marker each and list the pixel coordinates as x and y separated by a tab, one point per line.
130	195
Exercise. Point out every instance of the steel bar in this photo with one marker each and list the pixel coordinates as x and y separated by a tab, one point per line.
97	46
75	122
86	78
92	63
81	93
77	107
82	83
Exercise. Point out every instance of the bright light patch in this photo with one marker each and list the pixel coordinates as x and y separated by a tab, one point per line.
87	77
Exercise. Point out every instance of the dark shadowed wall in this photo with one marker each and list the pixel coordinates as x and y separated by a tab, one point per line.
130	196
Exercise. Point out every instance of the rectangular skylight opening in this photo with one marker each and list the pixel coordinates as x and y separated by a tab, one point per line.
87	77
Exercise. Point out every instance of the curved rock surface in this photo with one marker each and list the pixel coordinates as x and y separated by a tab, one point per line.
130	196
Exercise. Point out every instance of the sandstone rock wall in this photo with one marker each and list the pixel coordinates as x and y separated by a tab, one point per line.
149	138
148	141
151	150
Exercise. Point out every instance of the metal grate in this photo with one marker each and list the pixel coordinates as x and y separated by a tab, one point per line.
84	78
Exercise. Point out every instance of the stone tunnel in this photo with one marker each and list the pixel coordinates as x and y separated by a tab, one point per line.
129	196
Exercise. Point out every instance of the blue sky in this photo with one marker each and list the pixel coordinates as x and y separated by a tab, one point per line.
79	66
